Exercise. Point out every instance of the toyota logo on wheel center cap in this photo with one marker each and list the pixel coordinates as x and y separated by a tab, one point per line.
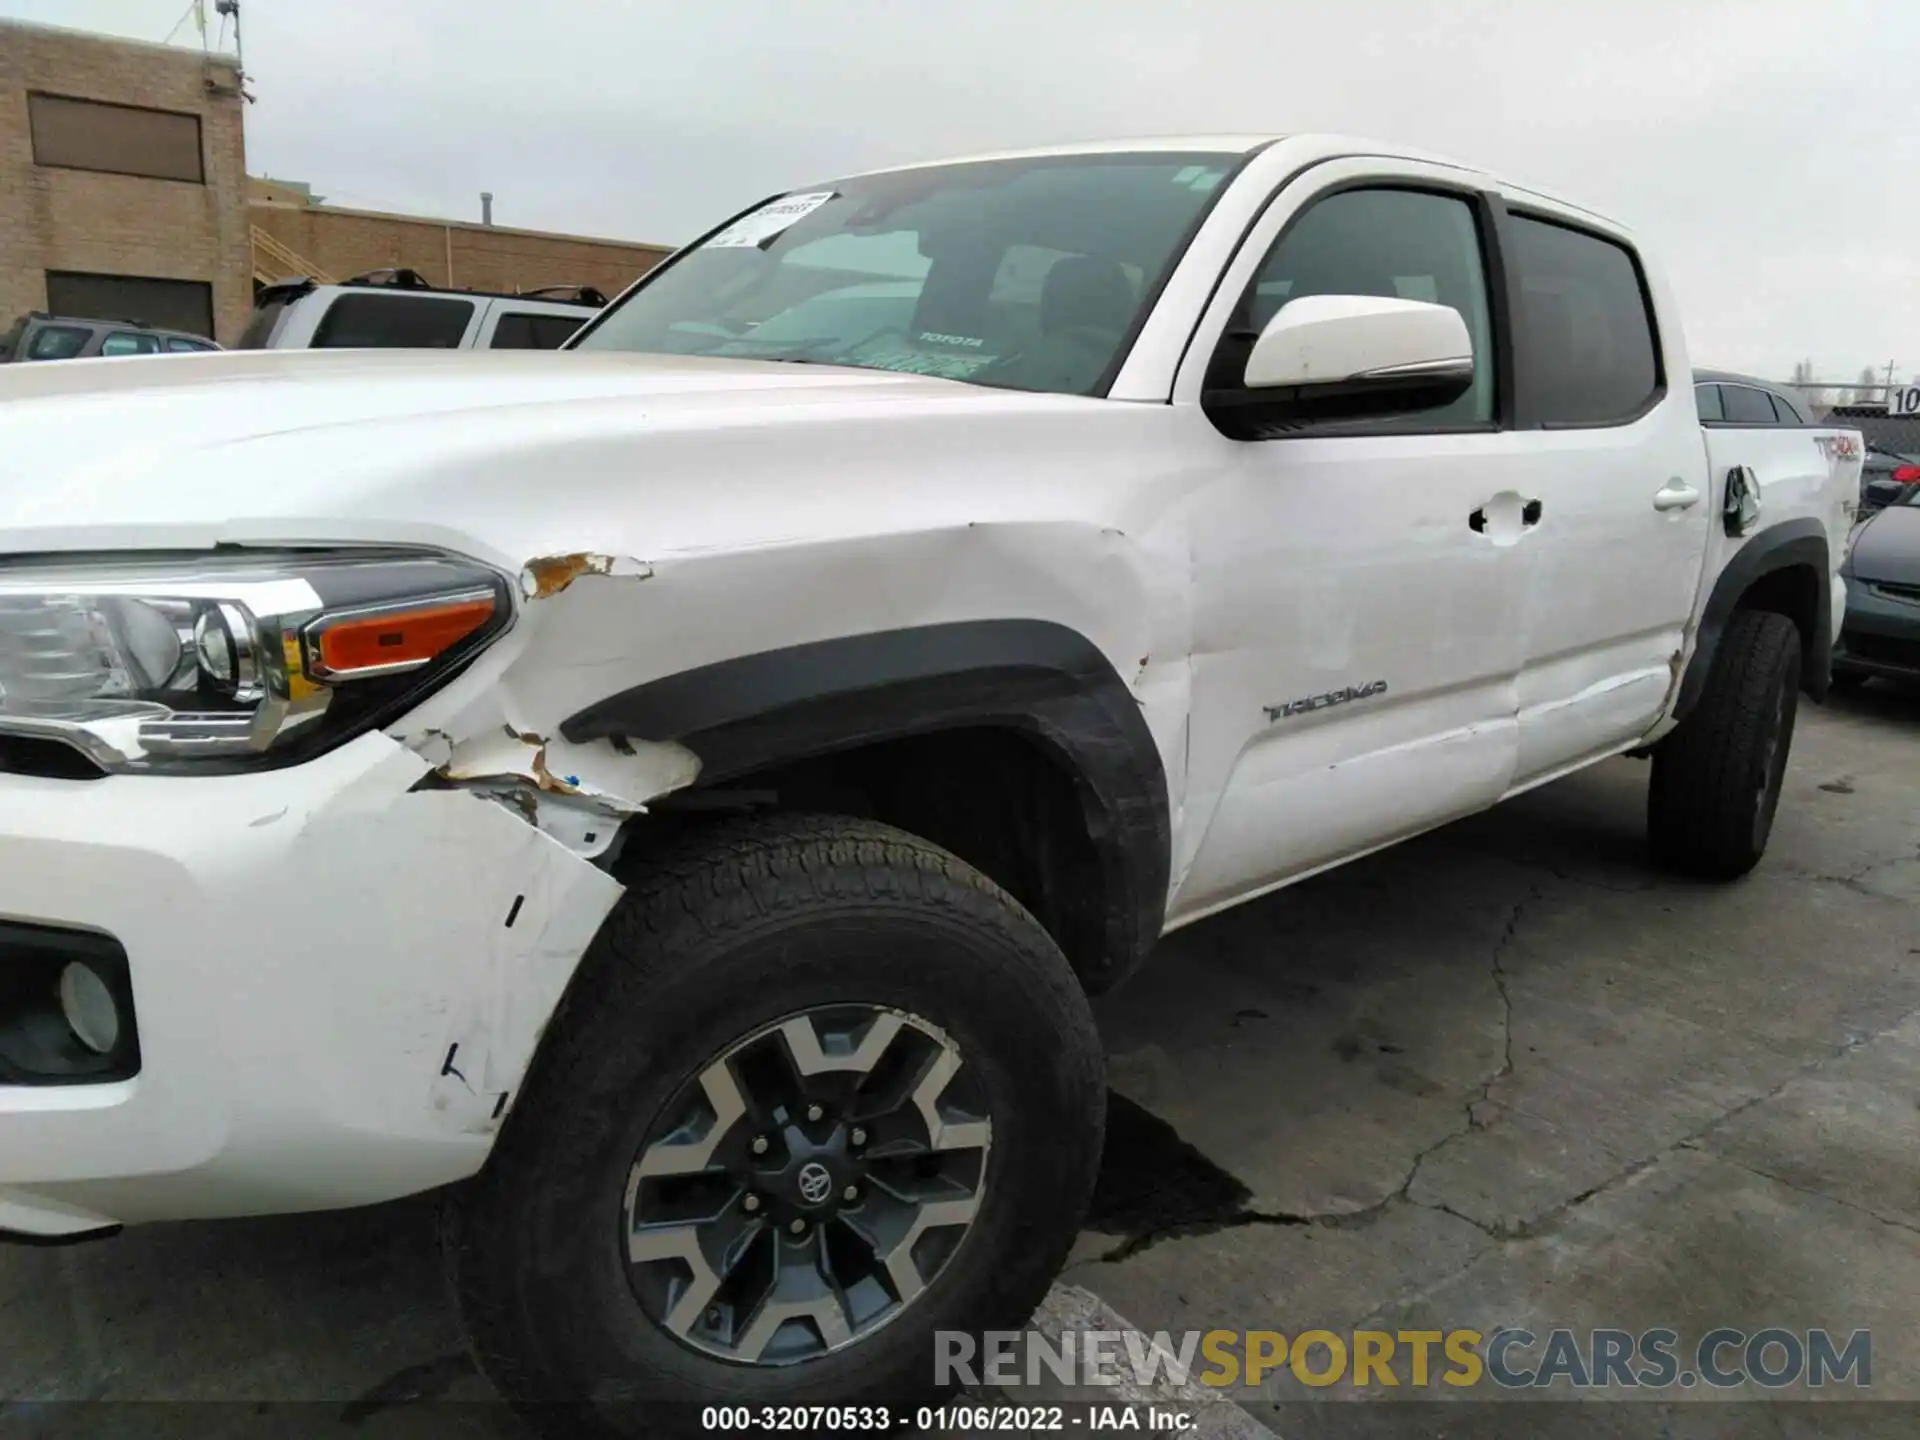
815	1182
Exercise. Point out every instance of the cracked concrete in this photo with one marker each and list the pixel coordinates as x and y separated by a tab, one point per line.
1645	1101
1505	1074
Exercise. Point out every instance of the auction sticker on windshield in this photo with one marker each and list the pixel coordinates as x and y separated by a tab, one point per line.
887	353
769	220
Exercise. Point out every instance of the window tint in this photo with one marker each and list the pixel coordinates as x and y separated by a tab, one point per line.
179	346
1707	399
57	342
404	322
1748	406
522	330
263	324
125	342
1586	345
1407	244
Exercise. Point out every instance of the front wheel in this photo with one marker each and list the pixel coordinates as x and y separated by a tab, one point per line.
1716	779
819	1091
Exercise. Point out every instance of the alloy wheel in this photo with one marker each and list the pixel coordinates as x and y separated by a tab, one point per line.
807	1185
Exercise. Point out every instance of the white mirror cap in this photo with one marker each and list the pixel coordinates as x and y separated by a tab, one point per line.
1325	339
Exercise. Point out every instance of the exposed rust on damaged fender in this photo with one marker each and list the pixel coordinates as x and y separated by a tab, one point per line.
547	575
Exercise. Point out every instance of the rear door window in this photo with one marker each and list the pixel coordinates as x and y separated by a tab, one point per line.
1784	410
57	342
1588	350
126	342
400	322
1748	406
528	330
179	346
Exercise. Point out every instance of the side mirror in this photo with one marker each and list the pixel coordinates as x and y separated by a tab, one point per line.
1354	357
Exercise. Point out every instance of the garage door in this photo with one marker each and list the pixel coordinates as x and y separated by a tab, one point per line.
170	304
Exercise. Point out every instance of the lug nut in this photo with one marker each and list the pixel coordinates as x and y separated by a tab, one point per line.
759	1144
798	1227
814	1112
859	1136
751	1203
713	1315
850	1194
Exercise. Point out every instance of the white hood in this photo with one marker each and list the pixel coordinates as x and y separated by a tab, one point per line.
188	451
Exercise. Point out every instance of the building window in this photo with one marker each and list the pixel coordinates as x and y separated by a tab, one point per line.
75	134
169	304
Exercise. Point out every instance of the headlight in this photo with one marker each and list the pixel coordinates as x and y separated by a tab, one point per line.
233	662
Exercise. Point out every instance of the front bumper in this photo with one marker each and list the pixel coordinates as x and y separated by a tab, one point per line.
338	981
1881	635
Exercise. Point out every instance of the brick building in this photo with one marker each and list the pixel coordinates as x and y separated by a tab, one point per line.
123	182
297	235
124	194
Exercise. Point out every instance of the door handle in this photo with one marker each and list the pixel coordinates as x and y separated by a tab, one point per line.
1676	494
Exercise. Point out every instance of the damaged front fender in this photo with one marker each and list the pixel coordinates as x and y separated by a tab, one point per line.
491	732
545	576
578	794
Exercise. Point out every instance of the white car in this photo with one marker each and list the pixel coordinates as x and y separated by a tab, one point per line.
678	792
398	310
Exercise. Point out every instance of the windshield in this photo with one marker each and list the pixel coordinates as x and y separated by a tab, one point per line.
1026	274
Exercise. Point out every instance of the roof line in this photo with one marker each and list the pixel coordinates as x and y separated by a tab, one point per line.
182	52
438	224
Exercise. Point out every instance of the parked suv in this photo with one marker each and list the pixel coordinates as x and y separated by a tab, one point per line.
35	336
681	799
397	309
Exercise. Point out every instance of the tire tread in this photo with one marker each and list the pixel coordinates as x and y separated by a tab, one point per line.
1699	803
728	881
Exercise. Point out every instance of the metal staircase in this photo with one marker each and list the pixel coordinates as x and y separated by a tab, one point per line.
273	262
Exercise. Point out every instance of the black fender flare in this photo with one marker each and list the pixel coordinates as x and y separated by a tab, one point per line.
1789	545
1042	679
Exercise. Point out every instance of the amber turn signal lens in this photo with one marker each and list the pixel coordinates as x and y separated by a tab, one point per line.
401	637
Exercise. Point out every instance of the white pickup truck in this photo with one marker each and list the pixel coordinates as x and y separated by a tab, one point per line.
678	792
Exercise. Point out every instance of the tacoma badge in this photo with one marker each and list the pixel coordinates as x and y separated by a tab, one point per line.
1326	701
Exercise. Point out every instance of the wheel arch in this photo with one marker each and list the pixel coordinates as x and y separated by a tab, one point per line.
930	721
1785	569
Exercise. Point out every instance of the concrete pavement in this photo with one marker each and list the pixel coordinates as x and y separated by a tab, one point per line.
1503	1075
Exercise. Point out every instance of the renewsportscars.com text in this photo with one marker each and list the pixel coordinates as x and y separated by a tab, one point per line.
1510	1358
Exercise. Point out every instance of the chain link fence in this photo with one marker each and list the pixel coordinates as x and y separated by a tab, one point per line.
1862	408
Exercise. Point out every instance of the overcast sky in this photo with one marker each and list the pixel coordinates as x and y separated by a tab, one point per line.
1768	150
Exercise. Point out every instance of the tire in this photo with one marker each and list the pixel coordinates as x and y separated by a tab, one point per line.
1845	680
1716	778
731	936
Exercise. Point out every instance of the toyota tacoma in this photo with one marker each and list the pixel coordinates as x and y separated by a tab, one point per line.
676	794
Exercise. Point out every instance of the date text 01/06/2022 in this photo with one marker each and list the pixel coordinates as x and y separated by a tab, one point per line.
944	1419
